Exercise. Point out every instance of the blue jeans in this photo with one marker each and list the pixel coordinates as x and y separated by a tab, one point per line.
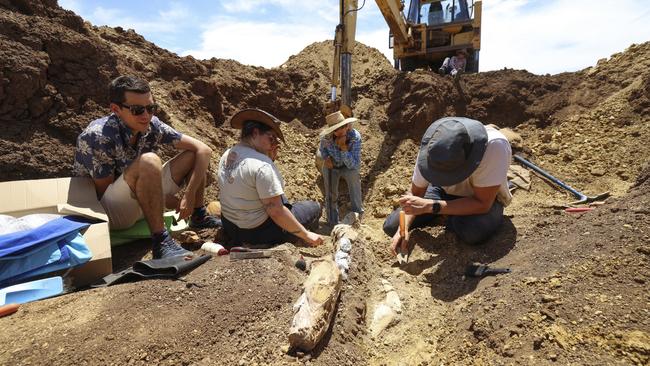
472	229
331	179
306	212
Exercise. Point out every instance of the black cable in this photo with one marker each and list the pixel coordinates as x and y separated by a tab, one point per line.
357	9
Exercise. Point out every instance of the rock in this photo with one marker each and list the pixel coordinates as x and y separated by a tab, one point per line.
598	172
386	313
391	190
315	308
551	149
189	237
643	250
214	208
382	318
530	280
555	283
549	298
381	213
514	138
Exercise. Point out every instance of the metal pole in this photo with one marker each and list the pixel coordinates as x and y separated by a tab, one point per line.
346	79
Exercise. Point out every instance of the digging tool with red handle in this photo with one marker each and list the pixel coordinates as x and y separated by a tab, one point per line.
8	309
582	198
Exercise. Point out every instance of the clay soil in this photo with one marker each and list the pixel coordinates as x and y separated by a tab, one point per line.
579	288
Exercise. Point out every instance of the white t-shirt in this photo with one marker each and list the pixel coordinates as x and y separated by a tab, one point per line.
246	177
492	171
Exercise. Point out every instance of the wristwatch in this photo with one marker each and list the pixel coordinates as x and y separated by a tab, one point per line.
435	208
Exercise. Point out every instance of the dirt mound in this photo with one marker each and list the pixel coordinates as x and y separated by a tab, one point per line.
578	290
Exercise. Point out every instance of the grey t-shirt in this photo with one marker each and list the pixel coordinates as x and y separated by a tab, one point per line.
246	177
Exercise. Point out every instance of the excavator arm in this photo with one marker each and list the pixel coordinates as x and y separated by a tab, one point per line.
343	49
432	31
344	39
392	12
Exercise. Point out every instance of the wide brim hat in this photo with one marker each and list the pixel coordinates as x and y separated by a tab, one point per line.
258	115
451	150
335	121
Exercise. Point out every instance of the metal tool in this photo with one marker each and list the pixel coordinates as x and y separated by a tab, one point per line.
301	264
402	258
8	309
237	253
578	209
582	198
482	270
249	255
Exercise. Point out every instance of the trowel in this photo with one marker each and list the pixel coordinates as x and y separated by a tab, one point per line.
482	270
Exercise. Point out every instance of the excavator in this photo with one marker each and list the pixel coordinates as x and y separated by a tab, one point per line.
422	37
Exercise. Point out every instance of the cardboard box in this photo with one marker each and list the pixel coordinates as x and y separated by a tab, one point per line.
65	196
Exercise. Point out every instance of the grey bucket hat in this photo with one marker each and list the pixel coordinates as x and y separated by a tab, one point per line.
451	150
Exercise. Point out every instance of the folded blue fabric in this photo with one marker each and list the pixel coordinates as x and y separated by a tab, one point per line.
52	230
50	247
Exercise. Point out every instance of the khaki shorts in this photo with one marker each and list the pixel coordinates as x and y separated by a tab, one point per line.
121	206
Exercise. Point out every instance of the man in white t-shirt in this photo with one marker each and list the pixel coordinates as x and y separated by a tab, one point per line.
253	208
461	172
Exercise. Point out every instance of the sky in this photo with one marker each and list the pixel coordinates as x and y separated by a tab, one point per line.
541	36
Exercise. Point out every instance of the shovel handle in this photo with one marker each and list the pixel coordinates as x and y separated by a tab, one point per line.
578	209
8	309
402	224
546	175
497	270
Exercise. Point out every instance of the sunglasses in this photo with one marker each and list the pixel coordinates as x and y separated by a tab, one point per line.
137	110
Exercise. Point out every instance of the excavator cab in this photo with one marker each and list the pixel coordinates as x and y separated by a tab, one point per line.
438	29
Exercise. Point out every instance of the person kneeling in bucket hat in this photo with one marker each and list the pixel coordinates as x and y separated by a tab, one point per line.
253	207
461	171
340	149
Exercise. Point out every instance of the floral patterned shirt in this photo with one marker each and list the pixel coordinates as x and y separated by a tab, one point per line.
103	148
350	159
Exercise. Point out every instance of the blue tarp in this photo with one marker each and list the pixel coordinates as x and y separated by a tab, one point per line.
50	247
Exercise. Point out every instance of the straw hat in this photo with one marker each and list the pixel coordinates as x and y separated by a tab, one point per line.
258	115
335	121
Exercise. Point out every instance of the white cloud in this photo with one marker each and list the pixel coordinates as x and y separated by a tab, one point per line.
256	43
329	13
173	19
254	5
377	39
74	5
558	35
540	36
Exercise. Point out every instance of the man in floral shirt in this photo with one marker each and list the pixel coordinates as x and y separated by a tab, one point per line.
119	152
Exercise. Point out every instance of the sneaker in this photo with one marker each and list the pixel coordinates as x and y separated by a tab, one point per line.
205	222
169	248
441	71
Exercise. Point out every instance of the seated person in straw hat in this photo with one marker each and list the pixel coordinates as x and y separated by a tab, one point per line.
340	149
461	172
253	208
454	65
